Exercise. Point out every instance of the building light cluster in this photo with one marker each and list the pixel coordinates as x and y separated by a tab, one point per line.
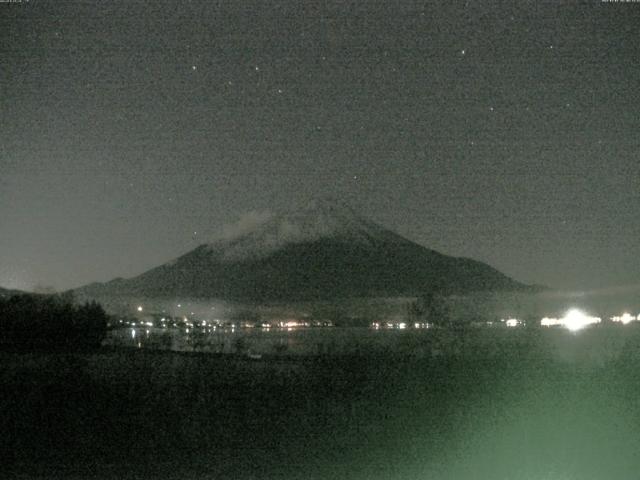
293	324
400	325
143	317
625	318
551	322
573	320
511	322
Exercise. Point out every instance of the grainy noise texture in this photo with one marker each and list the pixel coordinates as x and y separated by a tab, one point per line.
134	131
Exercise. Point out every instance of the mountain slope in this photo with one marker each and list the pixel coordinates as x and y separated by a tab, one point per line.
5	292
322	251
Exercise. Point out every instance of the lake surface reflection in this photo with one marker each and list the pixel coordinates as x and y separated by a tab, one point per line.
273	341
591	346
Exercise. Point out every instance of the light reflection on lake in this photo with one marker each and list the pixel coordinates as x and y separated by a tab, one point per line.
262	341
592	346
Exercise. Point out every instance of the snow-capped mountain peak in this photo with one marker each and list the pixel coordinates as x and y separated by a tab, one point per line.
319	219
323	250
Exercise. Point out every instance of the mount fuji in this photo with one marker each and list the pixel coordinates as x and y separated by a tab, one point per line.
322	251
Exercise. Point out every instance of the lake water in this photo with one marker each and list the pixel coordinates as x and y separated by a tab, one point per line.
594	345
278	341
481	403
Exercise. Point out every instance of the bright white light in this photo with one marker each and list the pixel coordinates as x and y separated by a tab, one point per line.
422	325
133	333
139	308
402	326
624	318
575	320
512	322
550	322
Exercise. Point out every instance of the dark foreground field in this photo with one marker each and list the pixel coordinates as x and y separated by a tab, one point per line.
136	414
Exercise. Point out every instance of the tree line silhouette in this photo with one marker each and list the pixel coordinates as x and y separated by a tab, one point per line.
50	322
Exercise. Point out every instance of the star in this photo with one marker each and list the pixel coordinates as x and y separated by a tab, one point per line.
193	67
463	51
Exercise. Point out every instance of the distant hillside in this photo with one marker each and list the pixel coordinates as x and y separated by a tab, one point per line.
4	292
320	252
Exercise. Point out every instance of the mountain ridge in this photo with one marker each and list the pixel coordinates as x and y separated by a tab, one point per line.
322	251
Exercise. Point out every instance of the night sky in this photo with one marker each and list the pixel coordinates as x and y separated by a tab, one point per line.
133	131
